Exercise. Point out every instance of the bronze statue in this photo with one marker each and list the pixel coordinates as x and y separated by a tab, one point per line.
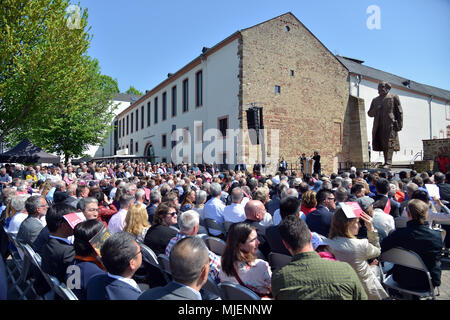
388	113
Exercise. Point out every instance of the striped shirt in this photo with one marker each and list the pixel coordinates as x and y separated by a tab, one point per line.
214	260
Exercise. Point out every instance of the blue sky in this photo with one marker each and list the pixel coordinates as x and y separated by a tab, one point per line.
138	42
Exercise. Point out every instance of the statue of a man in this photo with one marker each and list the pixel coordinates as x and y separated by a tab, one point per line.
388	113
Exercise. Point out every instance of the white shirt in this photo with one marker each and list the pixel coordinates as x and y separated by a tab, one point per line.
130	282
244	201
16	221
234	213
213	209
117	221
276	217
266	222
382	220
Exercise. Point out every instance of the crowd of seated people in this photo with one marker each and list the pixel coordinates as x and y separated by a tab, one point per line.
164	207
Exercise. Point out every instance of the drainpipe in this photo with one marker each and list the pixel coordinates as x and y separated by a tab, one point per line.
358	81
429	110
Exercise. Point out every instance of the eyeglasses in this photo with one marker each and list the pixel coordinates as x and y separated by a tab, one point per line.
332	199
173	213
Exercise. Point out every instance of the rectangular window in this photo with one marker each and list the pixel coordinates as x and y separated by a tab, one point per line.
174	101
137	119
155	120
142	117
164	141
148	114
164	106
137	147
131	120
128	123
123	127
277	89
120	127
223	125
131	146
199	89
185	95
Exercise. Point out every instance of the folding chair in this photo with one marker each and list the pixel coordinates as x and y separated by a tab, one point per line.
165	267
227	225
56	287
155	274
400	222
211	224
408	259
214	244
233	291
18	275
212	287
278	260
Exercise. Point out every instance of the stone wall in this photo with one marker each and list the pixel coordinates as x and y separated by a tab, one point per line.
355	133
433	148
309	110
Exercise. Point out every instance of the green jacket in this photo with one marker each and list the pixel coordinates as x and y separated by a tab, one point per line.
309	277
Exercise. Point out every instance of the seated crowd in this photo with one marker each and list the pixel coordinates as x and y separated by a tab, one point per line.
333	255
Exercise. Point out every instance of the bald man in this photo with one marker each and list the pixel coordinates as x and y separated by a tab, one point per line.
257	216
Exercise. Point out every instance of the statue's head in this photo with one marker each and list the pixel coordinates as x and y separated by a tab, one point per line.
383	88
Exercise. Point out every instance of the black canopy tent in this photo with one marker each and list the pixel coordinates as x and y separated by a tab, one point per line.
27	152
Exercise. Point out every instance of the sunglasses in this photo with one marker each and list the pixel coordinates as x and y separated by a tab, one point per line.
173	213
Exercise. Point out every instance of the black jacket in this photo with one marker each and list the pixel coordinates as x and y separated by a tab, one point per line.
158	237
274	240
427	243
319	220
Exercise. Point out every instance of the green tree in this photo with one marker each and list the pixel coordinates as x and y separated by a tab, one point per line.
50	90
133	90
75	126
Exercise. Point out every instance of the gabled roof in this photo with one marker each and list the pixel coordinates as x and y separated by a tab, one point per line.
358	68
126	97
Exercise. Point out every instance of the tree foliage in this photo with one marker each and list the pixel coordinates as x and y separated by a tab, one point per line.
50	90
133	90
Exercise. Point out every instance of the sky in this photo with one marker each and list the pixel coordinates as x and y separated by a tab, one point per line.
138	42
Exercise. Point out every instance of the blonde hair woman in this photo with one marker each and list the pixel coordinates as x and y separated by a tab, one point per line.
136	221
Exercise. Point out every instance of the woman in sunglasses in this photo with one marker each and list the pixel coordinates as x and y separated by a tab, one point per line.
159	235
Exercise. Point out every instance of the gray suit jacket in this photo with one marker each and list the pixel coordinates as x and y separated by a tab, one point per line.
171	291
29	230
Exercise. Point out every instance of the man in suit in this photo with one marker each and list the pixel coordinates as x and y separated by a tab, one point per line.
382	188
288	206
58	252
71	195
189	265
31	227
122	257
155	200
319	220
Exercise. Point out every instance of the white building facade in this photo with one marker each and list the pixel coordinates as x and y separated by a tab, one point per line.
202	95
